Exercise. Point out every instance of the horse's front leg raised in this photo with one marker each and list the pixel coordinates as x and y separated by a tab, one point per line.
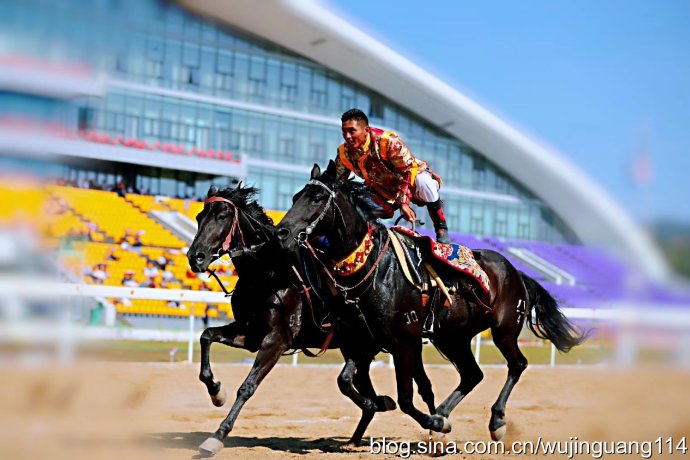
273	346
232	335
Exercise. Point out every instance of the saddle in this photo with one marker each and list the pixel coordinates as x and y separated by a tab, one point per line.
418	254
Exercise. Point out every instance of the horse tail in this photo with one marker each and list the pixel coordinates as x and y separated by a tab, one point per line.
548	322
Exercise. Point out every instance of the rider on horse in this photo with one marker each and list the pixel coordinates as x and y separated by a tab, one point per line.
386	164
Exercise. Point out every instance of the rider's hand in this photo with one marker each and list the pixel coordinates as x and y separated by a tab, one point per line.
436	177
407	212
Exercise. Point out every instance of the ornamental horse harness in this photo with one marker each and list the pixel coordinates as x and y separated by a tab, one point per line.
251	250
302	239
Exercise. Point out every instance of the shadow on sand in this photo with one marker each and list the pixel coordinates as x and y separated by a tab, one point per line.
294	445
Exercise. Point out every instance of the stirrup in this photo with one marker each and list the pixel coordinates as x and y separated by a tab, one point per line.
428	326
442	237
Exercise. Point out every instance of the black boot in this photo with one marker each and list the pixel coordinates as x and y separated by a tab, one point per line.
439	220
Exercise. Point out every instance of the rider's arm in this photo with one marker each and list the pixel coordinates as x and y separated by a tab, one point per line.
341	170
401	159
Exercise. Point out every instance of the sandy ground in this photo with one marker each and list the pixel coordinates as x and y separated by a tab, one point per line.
124	410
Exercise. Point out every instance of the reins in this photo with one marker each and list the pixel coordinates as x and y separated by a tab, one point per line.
303	240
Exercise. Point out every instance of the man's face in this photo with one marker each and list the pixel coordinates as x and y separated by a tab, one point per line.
355	133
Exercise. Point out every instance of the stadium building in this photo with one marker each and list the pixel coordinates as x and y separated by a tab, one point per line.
168	98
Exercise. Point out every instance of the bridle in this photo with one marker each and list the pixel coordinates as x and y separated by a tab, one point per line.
235	226
302	239
345	291
304	235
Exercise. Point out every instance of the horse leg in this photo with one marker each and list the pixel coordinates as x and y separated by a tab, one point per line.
272	348
470	373
517	363
230	334
362	382
424	385
405	358
346	384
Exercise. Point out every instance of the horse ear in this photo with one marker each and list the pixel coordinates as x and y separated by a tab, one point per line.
315	171
239	185
330	169
213	190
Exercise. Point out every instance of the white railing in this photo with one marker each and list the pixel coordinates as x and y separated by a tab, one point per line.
16	290
624	316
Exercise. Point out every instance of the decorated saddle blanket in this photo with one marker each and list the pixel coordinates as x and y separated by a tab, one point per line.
453	255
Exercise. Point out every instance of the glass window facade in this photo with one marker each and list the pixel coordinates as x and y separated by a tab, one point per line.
227	90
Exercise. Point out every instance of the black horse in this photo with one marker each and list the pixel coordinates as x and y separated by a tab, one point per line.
273	310
334	216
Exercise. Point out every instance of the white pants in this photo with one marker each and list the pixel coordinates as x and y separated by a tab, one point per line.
426	189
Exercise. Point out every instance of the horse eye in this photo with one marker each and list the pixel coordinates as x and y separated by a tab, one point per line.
223	216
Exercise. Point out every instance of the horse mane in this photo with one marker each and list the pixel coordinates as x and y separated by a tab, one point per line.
245	199
359	195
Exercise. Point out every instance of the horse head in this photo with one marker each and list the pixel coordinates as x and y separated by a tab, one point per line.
230	220
326	207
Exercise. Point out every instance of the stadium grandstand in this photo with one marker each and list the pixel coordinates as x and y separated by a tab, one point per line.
117	117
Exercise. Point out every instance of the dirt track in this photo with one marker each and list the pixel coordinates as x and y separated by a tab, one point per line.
162	411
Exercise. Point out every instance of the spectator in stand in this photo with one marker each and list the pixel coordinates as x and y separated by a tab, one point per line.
121	189
151	282
136	239
99	273
168	279
163	262
124	238
113	254
93	233
122	301
128	279
151	270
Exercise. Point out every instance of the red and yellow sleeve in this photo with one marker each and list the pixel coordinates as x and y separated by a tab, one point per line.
405	165
342	164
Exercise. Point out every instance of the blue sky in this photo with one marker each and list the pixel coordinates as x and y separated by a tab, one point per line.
600	81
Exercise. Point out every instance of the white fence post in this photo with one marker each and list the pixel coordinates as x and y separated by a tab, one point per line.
190	345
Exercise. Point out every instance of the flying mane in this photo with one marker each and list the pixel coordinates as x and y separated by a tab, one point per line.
359	195
244	198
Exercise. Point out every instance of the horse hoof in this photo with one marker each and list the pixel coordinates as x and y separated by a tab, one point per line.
351	445
444	422
210	447
220	398
498	434
387	403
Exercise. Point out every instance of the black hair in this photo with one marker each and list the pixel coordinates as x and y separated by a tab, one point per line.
355	114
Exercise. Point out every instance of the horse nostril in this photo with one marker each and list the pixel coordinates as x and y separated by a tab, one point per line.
283	233
200	256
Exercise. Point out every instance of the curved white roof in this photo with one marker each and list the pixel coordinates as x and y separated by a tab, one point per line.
309	29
